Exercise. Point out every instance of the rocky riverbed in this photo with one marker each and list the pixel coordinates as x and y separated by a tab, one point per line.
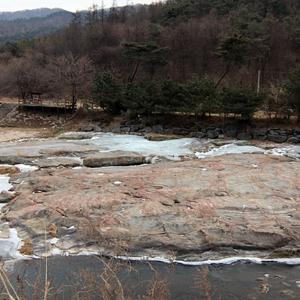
123	195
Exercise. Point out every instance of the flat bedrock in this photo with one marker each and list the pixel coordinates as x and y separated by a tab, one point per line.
232	204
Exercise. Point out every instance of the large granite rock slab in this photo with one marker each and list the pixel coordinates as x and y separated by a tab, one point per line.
55	162
28	151
233	205
114	158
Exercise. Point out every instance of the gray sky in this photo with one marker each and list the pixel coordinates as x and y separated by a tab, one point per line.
72	5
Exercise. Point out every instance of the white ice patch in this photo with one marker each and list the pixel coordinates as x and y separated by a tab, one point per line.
26	168
4	183
224	261
9	246
229	149
290	151
73	158
53	241
23	168
171	149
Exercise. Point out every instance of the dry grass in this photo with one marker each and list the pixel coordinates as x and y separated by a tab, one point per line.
27	247
52	230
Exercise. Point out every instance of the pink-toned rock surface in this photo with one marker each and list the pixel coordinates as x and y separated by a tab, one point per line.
227	205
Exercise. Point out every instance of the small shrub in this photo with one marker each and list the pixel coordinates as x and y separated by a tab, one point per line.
239	101
108	93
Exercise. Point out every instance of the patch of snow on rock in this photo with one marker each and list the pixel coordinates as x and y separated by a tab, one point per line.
26	168
223	261
290	151
229	149
9	245
5	186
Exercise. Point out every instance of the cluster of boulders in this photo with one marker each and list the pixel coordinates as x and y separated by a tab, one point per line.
277	135
17	117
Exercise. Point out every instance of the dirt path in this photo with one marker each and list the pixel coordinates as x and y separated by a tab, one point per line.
10	134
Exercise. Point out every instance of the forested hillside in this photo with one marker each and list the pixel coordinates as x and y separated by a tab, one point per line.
31	24
28	13
195	56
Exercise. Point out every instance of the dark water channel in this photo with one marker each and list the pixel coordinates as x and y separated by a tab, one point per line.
87	277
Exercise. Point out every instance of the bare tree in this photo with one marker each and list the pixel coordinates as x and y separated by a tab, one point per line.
72	74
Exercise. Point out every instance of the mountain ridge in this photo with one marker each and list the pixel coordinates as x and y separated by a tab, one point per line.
29	13
30	24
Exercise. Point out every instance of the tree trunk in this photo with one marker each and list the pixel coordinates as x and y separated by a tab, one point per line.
223	75
74	97
132	76
258	82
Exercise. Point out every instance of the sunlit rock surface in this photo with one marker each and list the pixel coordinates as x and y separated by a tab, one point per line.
236	204
201	199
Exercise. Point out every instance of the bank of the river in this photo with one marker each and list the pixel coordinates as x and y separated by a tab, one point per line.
12	134
93	278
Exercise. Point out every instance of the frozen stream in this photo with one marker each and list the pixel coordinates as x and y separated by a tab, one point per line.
9	240
174	149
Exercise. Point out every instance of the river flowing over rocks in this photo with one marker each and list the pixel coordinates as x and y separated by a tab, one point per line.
127	196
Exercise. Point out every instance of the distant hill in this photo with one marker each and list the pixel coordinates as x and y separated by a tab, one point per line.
28	14
30	24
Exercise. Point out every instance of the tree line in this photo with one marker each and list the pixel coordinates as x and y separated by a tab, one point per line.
201	57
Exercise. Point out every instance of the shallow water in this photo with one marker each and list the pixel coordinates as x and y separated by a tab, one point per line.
228	282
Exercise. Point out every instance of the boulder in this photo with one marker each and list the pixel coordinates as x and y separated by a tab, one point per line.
277	138
212	134
277	135
125	129
244	136
180	131
75	136
157	129
6	197
294	140
146	129
87	128
135	128
14	160
58	162
260	134
231	131
114	158
277	131
116	130
198	135
297	131
160	137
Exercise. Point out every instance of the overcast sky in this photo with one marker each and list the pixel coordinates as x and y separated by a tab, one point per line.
72	5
